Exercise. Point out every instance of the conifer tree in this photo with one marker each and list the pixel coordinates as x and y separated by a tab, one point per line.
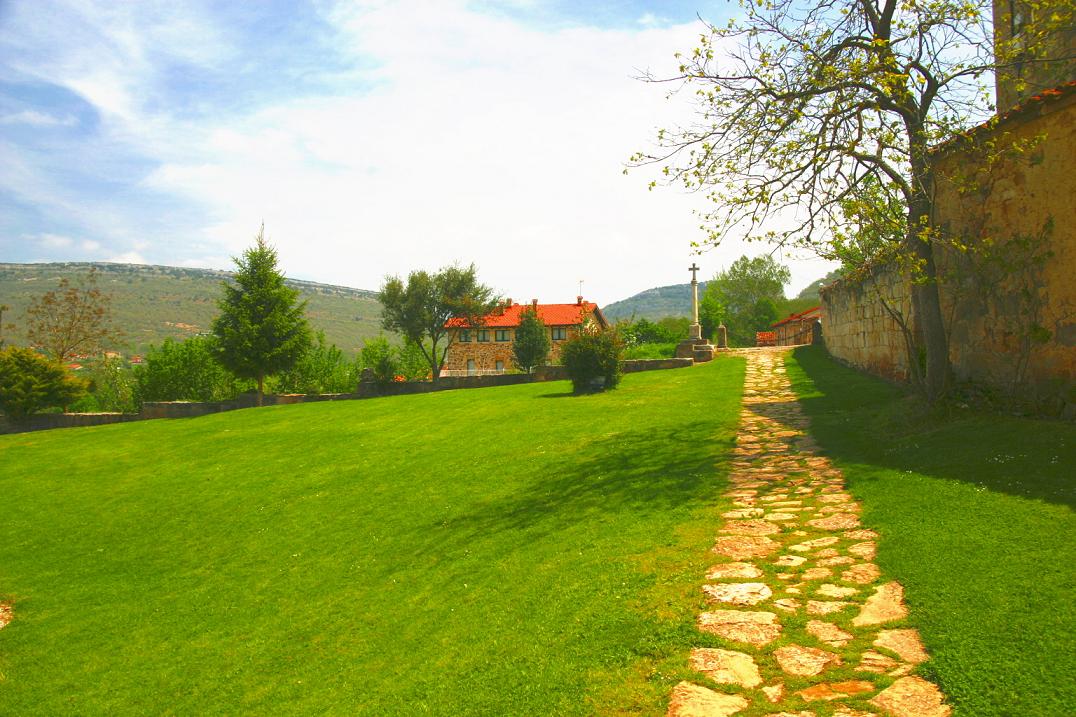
261	329
532	341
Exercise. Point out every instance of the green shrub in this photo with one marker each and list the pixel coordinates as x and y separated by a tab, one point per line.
321	369
112	388
379	356
185	371
650	351
29	383
593	360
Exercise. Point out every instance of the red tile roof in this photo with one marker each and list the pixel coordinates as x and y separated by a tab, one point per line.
806	315
550	314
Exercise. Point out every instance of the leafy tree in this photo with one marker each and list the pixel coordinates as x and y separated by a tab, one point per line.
184	371
3	308
749	291
379	356
593	357
71	319
112	387
29	382
261	329
532	341
802	104
421	309
711	313
322	368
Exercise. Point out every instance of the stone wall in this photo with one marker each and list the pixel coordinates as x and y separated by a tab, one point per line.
486	354
1011	324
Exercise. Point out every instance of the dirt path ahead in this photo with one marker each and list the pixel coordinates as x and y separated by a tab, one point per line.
808	623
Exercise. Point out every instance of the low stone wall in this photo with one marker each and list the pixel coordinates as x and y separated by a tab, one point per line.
193	409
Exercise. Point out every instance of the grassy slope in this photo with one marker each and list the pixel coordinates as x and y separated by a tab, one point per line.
976	517
146	299
499	551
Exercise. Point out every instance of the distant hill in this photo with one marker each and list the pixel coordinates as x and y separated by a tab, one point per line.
811	291
654	303
151	303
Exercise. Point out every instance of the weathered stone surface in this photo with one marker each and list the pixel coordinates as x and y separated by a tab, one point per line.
912	697
790	561
690	700
885	605
753	628
779	517
809	545
774	497
835	690
862	534
750	527
738	593
804	661
862	574
774	693
905	643
787	604
837	521
865	550
829	633
740	547
825	607
872	661
826	553
835	591
816	573
6	614
733	570
726	666
801	713
837	560
785	576
743	513
835	498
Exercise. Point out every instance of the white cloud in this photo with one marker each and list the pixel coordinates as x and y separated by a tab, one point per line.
38	119
55	241
474	138
128	257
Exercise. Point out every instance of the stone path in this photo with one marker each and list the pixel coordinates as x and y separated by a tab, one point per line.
809	626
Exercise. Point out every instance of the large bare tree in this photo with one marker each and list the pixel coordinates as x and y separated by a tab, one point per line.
802	108
73	319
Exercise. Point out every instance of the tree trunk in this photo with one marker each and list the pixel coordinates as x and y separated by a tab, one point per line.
926	302
261	386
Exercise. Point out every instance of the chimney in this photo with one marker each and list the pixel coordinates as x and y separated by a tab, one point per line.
579	301
534	305
507	302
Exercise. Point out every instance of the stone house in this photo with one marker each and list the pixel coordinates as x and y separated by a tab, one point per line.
487	349
797	328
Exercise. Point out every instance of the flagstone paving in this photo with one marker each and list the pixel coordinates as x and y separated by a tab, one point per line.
813	627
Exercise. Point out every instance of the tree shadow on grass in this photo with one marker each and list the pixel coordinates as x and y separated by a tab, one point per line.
641	472
860	419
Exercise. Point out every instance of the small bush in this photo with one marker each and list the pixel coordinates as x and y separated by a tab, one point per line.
112	388
185	371
593	360
29	383
650	351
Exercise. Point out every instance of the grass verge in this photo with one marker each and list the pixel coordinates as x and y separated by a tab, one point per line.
976	519
500	551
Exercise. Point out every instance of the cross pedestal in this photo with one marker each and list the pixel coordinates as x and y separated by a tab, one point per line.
695	346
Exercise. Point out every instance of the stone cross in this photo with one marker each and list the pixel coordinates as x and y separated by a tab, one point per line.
696	329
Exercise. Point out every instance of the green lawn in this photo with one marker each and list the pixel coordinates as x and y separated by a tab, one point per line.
506	551
976	517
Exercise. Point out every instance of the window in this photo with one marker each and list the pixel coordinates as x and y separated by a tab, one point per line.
464	336
500	367
483	335
560	333
503	335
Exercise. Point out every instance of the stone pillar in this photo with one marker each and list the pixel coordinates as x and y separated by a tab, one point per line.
696	328
722	336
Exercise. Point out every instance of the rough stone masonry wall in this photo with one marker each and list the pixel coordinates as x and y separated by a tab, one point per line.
987	316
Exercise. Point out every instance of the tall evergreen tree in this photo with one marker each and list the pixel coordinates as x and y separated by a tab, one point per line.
261	329
532	341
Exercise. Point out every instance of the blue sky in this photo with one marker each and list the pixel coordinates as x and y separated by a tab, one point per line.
372	138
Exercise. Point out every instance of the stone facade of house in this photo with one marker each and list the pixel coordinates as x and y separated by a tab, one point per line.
489	347
797	329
